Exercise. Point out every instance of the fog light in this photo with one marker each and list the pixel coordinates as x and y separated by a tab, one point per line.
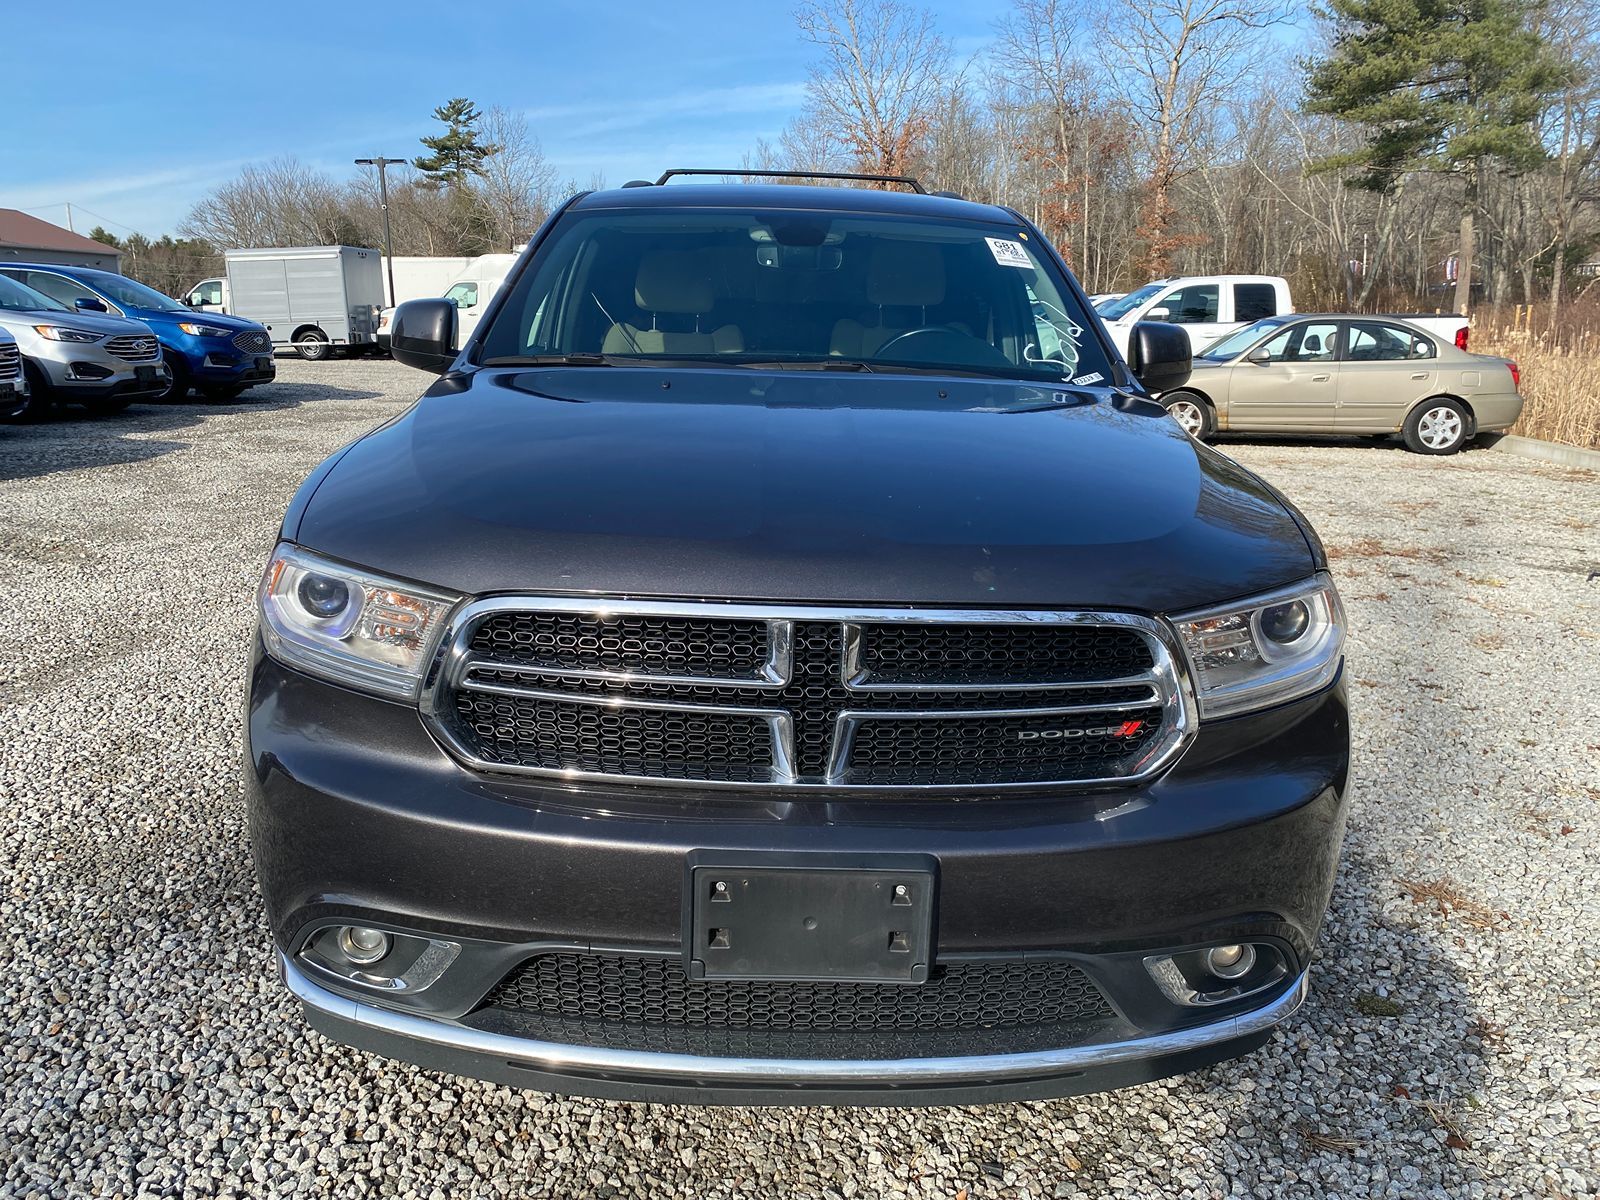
361	945
1230	962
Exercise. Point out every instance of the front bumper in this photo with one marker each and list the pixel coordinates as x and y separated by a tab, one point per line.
88	373
227	366
13	396
357	816
696	1079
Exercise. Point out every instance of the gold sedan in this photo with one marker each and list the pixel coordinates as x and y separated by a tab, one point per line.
1306	373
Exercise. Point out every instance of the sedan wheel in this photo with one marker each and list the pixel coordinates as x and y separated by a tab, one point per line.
1191	413
1437	427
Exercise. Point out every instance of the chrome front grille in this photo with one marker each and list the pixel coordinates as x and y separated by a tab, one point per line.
252	341
10	361
135	347
704	693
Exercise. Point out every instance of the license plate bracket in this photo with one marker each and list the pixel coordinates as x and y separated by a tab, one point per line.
146	374
841	918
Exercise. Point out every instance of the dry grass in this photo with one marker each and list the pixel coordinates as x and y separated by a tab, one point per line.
1449	900
1561	383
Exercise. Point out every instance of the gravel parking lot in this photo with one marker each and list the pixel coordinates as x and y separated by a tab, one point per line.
1451	1046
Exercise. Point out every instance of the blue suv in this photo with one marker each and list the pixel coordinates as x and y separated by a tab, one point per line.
218	355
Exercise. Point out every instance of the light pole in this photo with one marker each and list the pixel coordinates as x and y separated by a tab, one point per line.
383	202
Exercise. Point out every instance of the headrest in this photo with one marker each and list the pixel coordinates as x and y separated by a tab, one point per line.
672	281
905	273
1313	344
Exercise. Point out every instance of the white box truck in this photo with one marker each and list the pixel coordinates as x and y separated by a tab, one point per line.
317	299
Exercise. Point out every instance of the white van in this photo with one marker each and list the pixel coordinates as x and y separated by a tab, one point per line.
470	287
1207	306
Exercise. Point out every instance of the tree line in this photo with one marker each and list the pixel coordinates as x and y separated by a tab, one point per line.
1425	153
1419	152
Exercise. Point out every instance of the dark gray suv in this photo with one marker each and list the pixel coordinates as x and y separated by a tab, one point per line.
786	657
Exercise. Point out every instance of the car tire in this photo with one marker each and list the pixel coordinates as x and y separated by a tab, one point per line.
1192	412
312	344
181	380
40	397
1438	426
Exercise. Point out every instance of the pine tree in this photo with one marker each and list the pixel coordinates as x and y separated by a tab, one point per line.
103	235
457	153
1445	86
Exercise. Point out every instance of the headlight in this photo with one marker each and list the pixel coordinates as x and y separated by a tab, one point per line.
194	330
1265	651
60	333
349	626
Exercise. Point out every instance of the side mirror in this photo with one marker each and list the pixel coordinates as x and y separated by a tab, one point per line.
422	334
193	300
89	304
1158	356
1159	314
1260	356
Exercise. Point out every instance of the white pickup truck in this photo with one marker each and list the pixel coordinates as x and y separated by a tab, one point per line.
1210	306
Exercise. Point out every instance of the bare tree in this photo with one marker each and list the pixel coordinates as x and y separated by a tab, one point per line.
516	182
1182	59
878	84
280	203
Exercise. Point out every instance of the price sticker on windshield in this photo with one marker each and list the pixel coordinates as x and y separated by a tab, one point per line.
1009	254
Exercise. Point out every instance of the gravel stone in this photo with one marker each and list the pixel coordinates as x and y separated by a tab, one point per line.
148	1049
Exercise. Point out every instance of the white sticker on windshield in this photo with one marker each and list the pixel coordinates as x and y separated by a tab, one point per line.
1009	254
1086	380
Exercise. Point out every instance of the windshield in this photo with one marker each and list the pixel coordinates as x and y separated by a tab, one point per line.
129	294
1237	342
802	289
21	298
1113	310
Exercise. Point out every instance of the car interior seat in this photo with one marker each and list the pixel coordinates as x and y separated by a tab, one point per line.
904	280
674	288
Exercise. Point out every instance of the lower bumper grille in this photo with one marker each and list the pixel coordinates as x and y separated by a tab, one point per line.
649	1003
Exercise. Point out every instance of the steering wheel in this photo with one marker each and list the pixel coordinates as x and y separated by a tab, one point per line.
939	345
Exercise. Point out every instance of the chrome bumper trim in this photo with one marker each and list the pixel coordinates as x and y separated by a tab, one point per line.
558	1058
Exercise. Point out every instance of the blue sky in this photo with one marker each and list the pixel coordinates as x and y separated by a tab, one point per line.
134	111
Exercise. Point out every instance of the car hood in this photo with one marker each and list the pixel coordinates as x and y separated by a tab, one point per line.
91	322
218	320
799	486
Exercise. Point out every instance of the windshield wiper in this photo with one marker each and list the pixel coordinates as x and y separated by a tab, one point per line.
803	364
554	360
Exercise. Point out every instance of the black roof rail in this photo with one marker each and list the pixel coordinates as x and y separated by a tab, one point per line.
907	180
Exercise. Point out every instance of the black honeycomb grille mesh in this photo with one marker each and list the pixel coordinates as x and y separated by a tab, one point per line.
645	991
974	749
561	735
934	654
606	725
724	649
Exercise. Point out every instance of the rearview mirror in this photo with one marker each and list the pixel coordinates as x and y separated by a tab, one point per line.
1261	356
422	334
1158	356
88	304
